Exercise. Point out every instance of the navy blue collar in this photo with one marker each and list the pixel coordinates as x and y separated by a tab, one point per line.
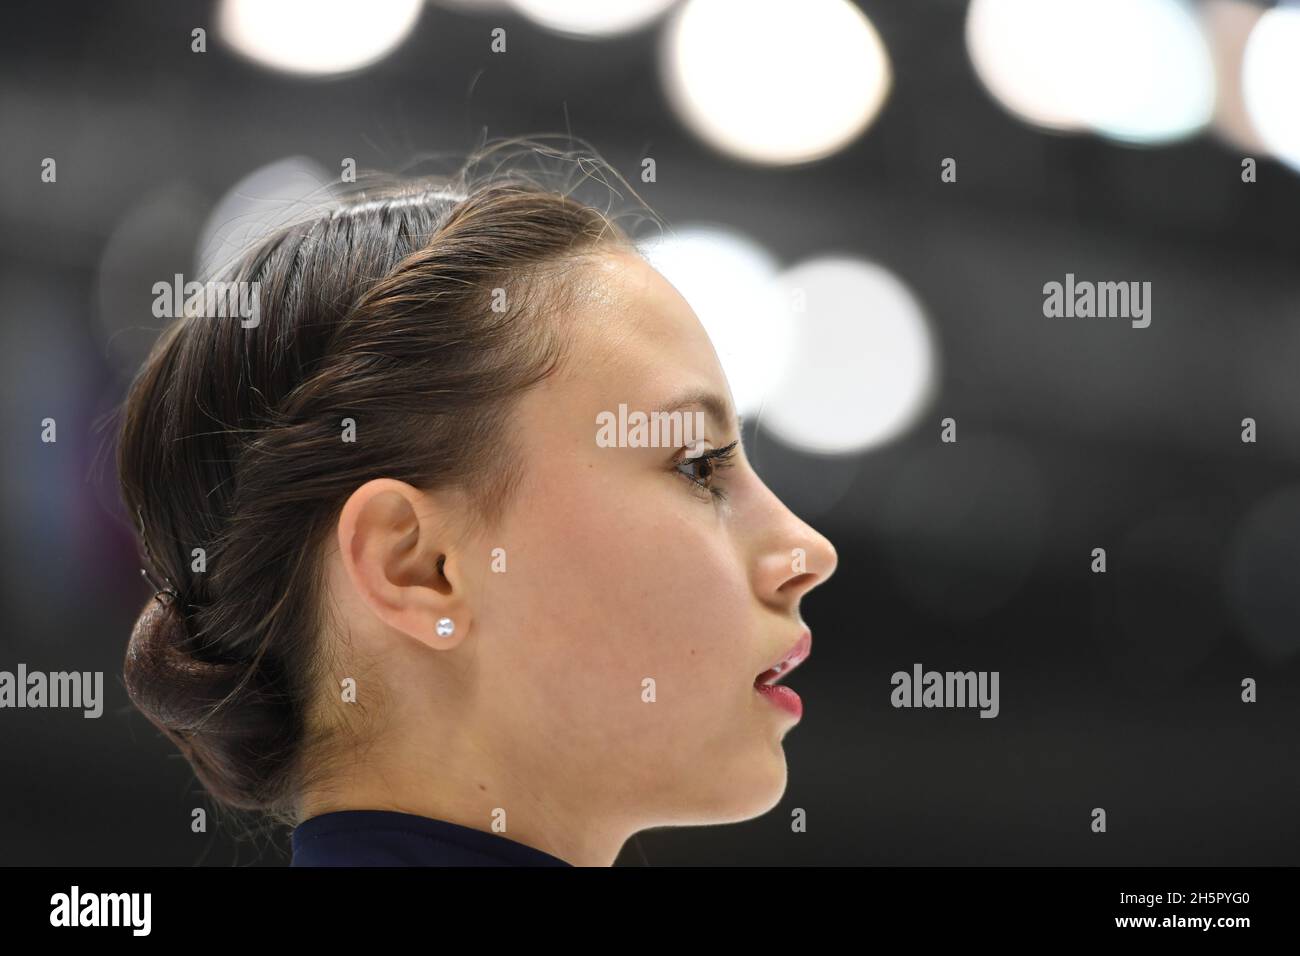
391	838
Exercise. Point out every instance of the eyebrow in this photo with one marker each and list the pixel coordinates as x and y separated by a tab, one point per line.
714	405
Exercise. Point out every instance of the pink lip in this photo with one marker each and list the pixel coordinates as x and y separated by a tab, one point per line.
782	696
779	694
792	658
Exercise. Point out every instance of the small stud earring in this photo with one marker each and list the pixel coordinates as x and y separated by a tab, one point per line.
446	627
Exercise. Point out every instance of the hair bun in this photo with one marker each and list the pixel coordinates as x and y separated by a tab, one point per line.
219	713
160	617
163	675
159	631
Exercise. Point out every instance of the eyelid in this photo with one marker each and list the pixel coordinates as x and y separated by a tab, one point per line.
720	458
699	447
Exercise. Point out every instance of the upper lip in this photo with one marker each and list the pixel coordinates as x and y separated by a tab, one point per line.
795	655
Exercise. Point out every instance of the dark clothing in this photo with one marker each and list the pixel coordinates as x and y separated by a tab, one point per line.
391	838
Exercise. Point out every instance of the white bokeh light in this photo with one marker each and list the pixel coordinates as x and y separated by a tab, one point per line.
1138	71
862	362
1271	81
728	280
591	18
1032	79
1228	24
775	81
1156	77
316	36
270	197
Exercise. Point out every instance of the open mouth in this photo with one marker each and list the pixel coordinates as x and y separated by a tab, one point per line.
792	658
768	685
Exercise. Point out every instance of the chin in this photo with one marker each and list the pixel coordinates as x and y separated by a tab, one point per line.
753	788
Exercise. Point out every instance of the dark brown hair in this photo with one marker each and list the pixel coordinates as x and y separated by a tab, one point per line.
380	311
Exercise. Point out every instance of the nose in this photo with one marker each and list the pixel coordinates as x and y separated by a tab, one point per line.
793	558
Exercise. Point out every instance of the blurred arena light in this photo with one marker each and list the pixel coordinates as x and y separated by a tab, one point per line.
1034	80
274	195
728	280
1271	79
1138	71
473	6
1228	24
591	18
149	243
50	368
862	361
316	37
774	81
1259	574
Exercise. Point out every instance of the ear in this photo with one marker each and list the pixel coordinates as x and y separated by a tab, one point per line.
398	551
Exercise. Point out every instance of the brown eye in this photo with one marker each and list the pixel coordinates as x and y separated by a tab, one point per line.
701	470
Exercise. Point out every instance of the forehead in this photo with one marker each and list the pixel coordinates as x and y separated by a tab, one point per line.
630	330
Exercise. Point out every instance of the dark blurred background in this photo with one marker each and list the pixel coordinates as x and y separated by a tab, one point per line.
798	149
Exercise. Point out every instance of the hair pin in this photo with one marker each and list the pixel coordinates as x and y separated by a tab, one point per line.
158	589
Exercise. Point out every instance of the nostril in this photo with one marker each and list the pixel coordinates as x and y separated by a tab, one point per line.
799	583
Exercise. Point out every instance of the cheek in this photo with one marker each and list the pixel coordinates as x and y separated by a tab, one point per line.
613	588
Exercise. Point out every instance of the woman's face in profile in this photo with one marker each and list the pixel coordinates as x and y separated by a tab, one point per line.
642	594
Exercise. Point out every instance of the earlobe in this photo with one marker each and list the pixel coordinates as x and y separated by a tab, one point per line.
394	545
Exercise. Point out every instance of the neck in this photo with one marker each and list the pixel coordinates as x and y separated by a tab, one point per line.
458	785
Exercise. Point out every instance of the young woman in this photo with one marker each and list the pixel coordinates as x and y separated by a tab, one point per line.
412	601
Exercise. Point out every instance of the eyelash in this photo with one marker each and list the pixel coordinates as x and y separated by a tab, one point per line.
717	458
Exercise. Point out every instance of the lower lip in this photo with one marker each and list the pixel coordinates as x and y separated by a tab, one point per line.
782	697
